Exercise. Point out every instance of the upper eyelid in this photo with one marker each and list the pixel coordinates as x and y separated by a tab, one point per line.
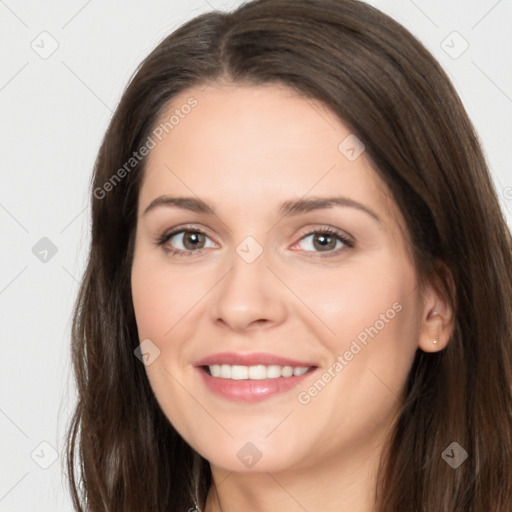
180	229
307	232
320	227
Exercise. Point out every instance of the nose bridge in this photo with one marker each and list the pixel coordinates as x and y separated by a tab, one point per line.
249	292
249	266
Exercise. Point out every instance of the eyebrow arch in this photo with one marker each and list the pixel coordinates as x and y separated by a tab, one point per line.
287	208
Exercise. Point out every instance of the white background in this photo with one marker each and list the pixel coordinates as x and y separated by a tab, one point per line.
54	113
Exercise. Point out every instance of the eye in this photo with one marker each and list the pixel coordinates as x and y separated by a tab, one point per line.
326	240
188	242
185	241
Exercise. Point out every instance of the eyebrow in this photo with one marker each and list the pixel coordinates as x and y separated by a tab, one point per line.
286	209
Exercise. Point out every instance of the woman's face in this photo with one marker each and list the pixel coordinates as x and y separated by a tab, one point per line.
251	284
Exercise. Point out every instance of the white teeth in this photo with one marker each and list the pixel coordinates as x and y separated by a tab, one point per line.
225	371
287	371
215	370
273	371
239	372
259	372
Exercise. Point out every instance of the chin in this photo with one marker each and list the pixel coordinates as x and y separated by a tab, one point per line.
248	454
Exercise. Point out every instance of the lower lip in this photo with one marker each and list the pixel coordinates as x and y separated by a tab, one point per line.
251	390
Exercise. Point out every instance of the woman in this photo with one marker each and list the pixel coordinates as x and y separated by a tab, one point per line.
298	290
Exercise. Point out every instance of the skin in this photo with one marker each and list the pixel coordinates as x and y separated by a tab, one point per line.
245	149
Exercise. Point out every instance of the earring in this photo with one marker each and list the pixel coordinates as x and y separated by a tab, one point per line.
435	340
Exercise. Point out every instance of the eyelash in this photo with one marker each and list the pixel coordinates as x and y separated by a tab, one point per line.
162	240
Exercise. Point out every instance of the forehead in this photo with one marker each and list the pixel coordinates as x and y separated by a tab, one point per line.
250	144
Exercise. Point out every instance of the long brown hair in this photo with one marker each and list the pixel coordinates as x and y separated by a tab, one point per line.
122	452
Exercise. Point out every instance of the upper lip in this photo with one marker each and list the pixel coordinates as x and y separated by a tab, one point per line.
252	359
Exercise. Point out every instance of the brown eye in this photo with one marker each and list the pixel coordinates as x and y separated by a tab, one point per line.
185	241
193	240
325	241
321	241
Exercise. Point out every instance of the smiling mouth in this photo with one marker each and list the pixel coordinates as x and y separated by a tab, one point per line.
257	372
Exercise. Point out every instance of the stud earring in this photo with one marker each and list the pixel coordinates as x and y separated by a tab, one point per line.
435	340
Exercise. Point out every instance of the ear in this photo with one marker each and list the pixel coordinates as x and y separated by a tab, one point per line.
438	315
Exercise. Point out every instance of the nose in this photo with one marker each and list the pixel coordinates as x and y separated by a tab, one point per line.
249	297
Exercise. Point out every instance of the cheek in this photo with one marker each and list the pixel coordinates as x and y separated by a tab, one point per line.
161	300
161	297
369	297
373	309
149	300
